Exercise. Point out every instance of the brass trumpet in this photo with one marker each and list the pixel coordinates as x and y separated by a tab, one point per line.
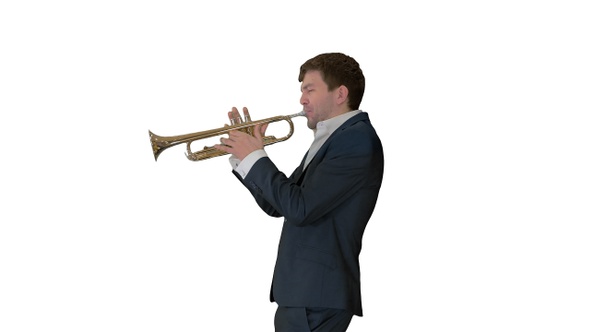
161	143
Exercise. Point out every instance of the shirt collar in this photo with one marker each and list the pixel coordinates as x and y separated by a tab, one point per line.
330	125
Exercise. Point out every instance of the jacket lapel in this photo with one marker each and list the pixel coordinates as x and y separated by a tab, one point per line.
299	171
322	151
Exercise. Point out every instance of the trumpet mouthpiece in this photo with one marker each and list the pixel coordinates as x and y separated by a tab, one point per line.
302	113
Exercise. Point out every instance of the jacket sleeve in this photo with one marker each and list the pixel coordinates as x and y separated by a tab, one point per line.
255	191
340	171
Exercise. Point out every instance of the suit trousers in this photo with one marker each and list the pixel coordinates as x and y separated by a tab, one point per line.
300	319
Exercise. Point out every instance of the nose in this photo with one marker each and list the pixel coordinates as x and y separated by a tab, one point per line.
303	100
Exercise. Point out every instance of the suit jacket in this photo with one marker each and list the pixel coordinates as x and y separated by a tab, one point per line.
326	208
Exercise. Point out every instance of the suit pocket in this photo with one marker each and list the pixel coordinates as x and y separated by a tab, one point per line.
313	254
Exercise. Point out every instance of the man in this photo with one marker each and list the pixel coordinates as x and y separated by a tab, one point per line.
327	201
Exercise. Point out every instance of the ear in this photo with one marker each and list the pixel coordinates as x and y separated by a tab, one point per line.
341	95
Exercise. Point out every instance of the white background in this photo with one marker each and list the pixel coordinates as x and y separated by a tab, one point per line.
482	222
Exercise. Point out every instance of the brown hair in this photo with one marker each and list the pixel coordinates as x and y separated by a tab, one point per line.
338	69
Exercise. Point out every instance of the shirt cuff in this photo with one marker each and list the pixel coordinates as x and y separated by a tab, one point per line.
245	165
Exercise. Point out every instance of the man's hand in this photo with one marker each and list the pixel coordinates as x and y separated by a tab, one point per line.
240	143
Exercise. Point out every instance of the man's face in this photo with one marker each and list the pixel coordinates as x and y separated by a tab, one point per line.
318	103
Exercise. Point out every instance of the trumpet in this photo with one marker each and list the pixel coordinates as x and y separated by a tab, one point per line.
161	143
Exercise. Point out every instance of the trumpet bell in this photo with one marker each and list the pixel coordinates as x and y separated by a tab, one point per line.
158	144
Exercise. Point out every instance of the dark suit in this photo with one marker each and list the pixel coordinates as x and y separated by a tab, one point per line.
326	208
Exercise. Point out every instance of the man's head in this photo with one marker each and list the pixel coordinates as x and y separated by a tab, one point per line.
338	69
332	83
